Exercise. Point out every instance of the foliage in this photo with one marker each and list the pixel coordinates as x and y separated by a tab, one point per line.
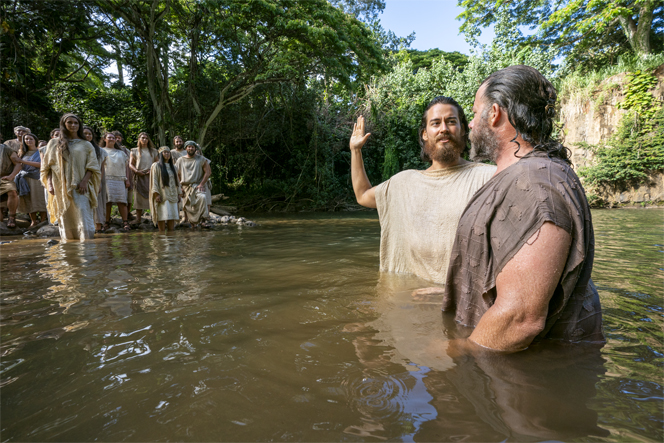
425	59
637	148
590	33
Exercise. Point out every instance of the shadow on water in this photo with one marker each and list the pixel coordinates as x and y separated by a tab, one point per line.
289	332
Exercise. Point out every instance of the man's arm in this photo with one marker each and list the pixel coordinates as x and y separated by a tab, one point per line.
17	167
364	193
524	288
207	171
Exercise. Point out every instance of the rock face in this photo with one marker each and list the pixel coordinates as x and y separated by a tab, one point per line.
594	120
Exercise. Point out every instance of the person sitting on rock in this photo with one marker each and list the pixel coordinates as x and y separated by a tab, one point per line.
193	171
9	167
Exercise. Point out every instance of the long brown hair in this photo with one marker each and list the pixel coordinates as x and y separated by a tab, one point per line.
93	142
24	147
63	141
151	148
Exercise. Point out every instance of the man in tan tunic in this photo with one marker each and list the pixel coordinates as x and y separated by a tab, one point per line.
178	148
419	210
16	143
193	171
523	253
9	167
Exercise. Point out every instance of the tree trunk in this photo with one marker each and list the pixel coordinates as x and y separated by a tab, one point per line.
638	35
118	62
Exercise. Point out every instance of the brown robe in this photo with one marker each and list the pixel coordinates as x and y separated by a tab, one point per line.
499	219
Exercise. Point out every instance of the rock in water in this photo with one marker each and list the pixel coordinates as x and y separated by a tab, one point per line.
48	231
52	242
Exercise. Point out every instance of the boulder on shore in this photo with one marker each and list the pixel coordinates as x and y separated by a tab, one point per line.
48	231
4	230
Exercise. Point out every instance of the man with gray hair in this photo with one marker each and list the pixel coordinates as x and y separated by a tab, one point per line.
16	143
524	247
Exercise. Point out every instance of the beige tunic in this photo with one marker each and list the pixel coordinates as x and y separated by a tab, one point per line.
142	160
34	201
175	154
116	174
102	197
168	208
6	168
190	171
419	212
73	211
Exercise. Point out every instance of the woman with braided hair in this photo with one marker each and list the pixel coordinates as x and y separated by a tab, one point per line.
70	172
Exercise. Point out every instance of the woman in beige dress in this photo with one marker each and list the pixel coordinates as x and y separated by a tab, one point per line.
30	190
164	191
140	162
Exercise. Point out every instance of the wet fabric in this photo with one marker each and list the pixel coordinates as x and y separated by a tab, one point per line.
66	173
168	208
418	213
77	222
499	219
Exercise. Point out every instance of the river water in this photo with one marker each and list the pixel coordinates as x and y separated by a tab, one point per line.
287	331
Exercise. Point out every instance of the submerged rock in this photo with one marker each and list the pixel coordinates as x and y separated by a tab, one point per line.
48	231
52	242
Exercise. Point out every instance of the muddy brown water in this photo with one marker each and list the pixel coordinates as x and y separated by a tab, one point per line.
288	332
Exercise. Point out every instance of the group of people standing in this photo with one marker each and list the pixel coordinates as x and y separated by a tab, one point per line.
77	180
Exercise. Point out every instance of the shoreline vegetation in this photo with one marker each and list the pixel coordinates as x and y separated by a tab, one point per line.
270	90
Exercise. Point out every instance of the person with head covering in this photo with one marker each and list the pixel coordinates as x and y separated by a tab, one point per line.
194	171
9	167
116	171
30	190
164	191
16	143
140	161
70	171
100	212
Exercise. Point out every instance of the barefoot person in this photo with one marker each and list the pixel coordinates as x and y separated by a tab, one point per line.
140	161
116	170
164	191
70	172
193	171
100	212
30	190
419	210
524	248
9	167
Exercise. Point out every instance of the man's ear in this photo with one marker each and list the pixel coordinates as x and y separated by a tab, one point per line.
425	136
496	115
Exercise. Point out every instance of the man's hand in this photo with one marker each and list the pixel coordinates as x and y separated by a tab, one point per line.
358	138
523	290
200	188
127	184
82	187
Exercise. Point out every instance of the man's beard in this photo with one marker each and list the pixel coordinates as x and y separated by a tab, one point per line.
450	151
484	143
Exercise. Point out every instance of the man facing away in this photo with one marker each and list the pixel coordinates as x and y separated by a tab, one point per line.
419	210
523	253
193	171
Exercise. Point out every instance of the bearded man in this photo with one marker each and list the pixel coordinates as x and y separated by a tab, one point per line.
523	252
178	148
16	143
193	171
419	210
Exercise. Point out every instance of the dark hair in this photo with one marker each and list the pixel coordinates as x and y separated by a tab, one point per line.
94	143
530	101
24	147
178	136
164	171
102	141
63	141
53	132
442	100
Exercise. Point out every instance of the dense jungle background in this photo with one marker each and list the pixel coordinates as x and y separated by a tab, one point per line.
270	88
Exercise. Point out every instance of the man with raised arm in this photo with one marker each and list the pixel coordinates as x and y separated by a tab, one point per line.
419	210
523	253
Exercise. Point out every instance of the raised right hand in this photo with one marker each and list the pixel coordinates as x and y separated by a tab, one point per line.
358	138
